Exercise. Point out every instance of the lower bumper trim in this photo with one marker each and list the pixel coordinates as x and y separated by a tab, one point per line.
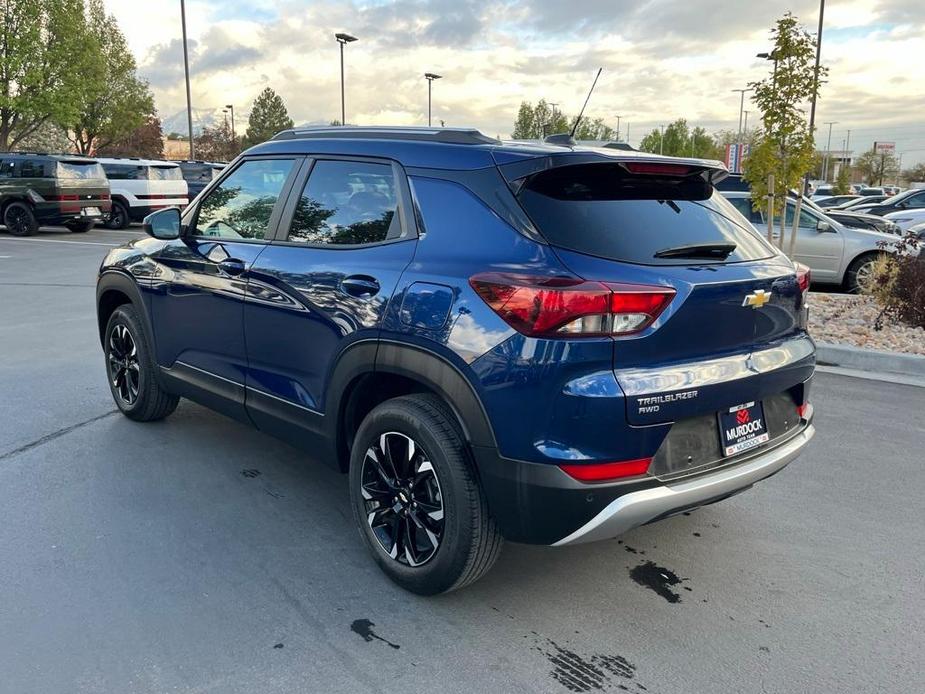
638	508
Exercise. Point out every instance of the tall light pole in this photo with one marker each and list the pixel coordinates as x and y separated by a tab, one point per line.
234	138
661	139
343	39
741	108
745	126
430	76
812	108
828	150
189	101
618	126
627	132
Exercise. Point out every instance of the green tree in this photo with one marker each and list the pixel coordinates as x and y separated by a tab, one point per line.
595	129
681	141
146	141
524	128
46	138
41	66
536	122
785	147
216	144
267	118
843	181
916	173
874	166
113	100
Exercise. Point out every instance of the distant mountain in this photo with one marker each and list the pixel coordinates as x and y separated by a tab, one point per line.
202	118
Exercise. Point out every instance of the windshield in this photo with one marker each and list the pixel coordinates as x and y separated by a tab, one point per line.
603	210
79	169
165	173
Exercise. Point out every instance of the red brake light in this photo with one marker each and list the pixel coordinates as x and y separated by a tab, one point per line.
804	410
657	169
803	277
559	306
603	472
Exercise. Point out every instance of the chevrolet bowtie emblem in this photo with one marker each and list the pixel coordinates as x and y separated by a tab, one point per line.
757	299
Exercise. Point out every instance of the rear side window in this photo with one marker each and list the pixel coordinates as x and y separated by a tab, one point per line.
164	173
124	172
79	170
31	169
347	203
602	210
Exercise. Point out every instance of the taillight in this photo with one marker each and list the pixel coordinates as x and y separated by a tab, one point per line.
605	472
66	199
565	306
804	410
104	196
803	277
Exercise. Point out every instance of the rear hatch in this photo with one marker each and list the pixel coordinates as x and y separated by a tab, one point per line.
738	307
166	186
81	186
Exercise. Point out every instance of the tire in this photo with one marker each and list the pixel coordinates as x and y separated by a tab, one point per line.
858	271
81	227
118	216
444	499
19	219
126	346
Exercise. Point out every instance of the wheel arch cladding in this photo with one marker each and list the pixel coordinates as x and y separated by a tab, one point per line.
113	290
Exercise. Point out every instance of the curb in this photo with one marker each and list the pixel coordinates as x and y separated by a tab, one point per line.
870	360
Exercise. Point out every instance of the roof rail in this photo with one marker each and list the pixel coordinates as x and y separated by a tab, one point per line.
451	136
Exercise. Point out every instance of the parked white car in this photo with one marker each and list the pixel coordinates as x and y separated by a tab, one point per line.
906	219
141	186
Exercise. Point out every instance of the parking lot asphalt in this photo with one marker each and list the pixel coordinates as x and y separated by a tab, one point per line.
197	555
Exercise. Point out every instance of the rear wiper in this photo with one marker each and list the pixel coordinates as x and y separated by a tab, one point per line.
698	250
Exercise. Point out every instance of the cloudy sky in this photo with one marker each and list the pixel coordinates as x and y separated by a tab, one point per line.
662	59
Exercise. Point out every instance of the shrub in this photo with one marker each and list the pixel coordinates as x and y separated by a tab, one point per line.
898	282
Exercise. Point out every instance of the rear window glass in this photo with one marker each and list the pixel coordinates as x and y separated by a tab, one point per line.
602	210
85	170
165	173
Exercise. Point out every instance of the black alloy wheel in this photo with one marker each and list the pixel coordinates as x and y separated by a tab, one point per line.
19	220
122	358
402	498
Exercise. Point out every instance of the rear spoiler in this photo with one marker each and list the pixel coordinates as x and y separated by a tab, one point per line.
639	163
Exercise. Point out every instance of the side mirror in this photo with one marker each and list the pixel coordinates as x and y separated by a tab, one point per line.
823	227
163	224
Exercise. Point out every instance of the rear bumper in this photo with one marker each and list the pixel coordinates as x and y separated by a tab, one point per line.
539	504
644	506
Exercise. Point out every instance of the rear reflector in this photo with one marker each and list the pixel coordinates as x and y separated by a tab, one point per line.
567	306
804	410
603	472
657	169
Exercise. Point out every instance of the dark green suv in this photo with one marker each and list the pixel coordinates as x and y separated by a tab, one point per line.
39	189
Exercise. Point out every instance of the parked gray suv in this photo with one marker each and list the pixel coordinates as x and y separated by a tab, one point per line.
836	254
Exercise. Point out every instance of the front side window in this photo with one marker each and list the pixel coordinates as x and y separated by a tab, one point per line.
347	203
241	207
916	201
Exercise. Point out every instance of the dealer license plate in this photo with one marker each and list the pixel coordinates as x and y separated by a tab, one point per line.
742	428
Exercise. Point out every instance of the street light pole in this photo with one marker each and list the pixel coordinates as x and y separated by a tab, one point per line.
745	126
812	108
234	139
828	149
741	109
343	39
618	127
430	76
661	139
189	101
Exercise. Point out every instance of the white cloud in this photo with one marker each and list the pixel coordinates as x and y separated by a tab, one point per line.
662	59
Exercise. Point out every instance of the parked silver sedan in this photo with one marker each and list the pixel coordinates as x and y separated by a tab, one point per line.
835	253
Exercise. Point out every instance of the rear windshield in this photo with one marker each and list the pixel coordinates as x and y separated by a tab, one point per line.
602	210
80	169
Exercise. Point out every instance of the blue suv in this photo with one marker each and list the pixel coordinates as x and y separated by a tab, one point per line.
540	342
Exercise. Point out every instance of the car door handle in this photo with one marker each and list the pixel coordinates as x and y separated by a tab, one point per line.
359	286
232	266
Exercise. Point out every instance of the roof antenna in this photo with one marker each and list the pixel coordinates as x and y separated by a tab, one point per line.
578	120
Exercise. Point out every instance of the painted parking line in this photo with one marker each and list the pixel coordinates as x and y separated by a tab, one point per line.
78	243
